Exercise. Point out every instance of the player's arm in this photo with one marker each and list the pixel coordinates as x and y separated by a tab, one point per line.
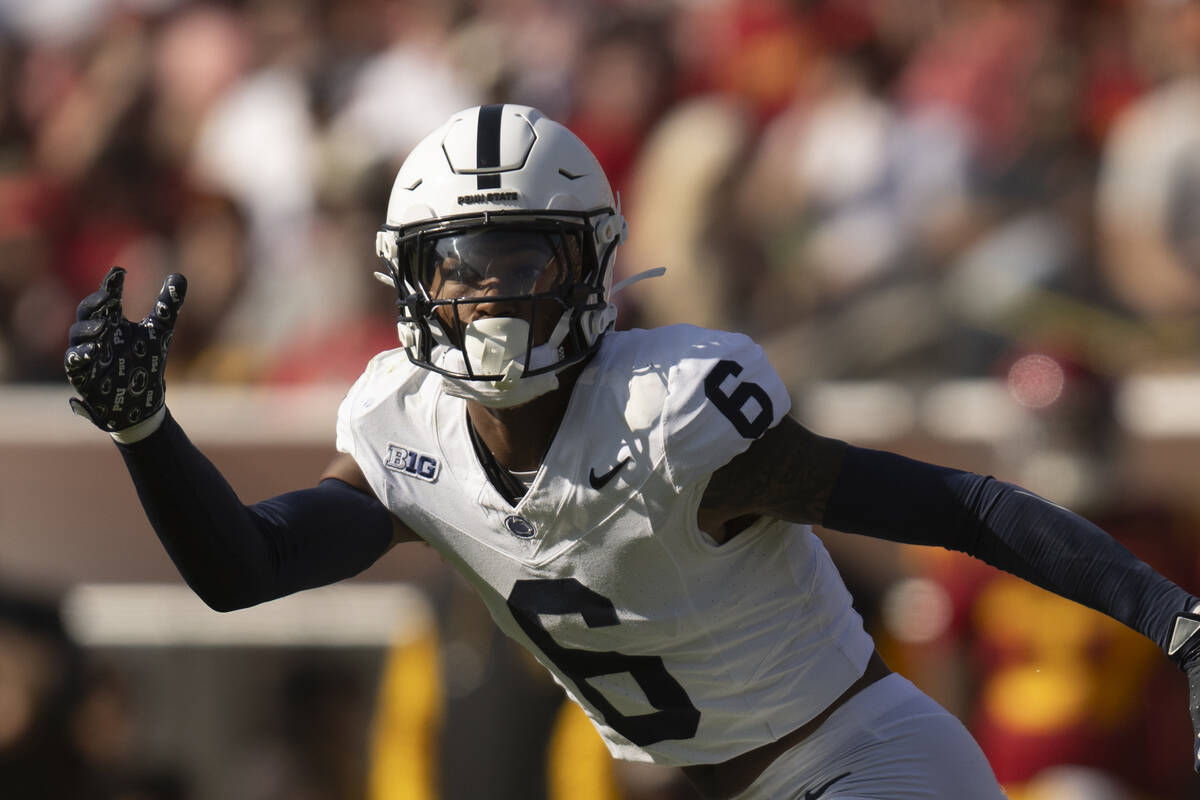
345	469
235	555
793	474
232	554
787	473
796	475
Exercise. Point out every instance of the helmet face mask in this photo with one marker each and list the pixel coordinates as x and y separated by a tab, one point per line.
501	213
539	270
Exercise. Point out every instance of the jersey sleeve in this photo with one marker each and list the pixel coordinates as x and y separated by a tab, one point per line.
345	441
383	376
722	394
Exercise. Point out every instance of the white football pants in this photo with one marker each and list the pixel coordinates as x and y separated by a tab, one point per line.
891	741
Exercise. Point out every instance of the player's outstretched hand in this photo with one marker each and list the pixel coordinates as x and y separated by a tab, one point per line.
115	365
1185	651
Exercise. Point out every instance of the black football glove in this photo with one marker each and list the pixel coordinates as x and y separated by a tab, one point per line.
115	365
1184	650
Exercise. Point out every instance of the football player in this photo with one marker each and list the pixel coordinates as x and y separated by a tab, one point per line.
633	507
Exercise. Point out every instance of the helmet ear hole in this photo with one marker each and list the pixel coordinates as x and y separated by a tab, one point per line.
613	228
385	246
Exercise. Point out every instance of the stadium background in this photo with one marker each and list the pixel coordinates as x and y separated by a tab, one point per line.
963	229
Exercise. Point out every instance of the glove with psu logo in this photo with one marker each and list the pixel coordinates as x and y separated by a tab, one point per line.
115	365
1184	650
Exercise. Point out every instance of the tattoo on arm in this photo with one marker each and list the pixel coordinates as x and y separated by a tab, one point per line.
788	473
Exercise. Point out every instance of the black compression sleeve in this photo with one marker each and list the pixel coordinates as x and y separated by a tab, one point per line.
233	555
891	497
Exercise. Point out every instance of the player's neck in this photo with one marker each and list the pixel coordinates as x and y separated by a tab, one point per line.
519	437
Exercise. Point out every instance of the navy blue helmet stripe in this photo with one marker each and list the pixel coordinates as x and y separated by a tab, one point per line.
487	145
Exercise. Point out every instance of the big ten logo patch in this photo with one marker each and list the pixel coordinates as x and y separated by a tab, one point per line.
411	462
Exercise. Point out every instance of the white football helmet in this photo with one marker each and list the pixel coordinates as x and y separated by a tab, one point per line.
493	185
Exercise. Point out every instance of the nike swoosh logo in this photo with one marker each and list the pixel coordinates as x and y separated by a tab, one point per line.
813	794
598	482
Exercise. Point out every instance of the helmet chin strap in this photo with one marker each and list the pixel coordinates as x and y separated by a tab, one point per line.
493	395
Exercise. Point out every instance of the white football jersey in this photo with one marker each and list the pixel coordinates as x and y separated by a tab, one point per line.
679	650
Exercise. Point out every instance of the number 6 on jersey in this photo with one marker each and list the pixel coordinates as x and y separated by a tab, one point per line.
733	405
676	718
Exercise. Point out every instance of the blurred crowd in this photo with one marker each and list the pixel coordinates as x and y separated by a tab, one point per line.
68	722
870	187
910	189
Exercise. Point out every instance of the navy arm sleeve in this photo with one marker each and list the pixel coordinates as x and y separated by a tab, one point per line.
891	497
234	555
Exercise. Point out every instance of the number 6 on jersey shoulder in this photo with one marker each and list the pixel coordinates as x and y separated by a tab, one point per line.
733	405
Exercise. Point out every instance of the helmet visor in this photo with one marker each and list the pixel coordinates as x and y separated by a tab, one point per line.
498	263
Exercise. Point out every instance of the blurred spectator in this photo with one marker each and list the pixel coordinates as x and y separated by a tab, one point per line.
211	243
818	191
674	208
406	88
200	52
66	728
1149	193
256	139
104	727
319	750
40	682
622	83
758	51
357	317
525	50
836	196
897	188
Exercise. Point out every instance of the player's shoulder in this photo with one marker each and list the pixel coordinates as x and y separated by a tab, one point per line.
672	345
686	355
642	366
675	362
387	375
387	396
718	390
